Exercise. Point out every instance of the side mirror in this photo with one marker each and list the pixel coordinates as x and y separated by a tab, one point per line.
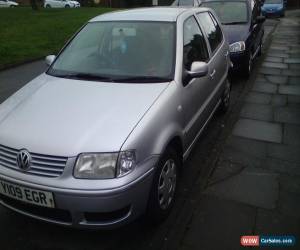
260	19
198	69
49	59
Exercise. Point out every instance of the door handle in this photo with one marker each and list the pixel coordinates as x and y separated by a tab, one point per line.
212	74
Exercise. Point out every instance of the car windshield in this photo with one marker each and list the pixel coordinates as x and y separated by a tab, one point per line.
273	1
119	51
229	12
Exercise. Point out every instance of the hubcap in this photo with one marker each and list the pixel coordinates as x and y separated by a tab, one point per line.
167	184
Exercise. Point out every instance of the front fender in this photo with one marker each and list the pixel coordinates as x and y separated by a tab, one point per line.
162	123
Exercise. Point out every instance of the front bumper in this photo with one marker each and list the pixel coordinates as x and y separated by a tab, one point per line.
95	209
238	60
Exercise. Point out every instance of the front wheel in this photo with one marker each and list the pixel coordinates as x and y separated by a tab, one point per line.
48	6
67	6
163	190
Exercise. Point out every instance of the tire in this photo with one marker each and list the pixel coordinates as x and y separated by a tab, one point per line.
161	200
12	6
225	101
48	6
247	69
67	6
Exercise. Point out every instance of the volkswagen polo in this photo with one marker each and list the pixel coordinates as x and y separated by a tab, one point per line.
99	138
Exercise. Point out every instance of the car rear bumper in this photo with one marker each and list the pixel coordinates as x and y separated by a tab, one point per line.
96	210
273	13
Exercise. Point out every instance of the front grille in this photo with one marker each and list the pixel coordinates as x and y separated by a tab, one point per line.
42	165
55	214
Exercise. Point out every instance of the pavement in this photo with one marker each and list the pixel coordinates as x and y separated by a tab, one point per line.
13	79
242	177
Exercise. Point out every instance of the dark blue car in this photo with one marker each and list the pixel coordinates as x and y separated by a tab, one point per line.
273	8
243	26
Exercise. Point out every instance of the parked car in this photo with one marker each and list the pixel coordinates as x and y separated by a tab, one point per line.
195	3
61	4
99	138
273	8
244	29
7	3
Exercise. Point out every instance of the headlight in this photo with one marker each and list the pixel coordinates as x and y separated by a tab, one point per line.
237	47
104	166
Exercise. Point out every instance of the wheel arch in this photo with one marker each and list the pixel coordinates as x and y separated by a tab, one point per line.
175	143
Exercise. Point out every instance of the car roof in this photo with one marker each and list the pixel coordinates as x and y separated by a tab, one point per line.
165	14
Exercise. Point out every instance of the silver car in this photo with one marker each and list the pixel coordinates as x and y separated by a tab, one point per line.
99	138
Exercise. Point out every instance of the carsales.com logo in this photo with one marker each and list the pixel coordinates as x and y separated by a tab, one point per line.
256	241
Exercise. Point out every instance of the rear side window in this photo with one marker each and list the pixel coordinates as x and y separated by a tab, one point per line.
194	45
212	29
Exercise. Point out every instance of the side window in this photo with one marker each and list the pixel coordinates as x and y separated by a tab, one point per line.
194	45
212	29
219	33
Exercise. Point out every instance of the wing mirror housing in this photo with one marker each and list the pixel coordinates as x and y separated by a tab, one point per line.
260	19
198	69
49	59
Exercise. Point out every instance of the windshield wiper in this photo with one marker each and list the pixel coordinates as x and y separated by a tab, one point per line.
86	76
232	23
143	79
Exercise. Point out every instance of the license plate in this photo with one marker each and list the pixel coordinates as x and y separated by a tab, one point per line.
29	195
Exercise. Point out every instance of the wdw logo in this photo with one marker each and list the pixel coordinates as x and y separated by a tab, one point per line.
255	240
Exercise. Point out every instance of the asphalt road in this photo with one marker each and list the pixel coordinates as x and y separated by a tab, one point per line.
18	232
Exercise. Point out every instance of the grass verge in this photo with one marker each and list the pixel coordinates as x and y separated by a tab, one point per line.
27	35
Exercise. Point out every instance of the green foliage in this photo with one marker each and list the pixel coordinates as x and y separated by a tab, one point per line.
26	34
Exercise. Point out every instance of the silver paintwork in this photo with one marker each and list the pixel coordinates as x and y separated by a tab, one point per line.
62	118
